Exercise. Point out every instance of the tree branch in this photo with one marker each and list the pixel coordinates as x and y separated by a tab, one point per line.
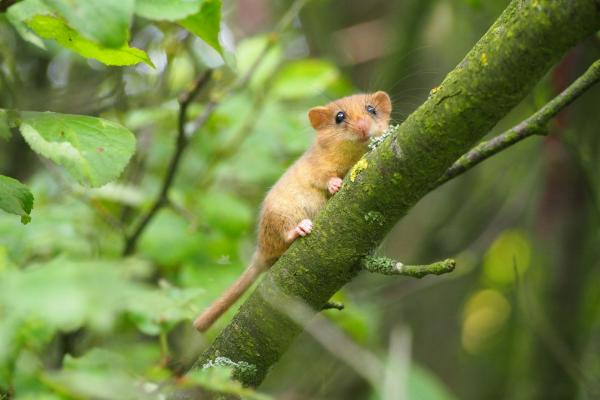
387	266
535	124
494	77
180	145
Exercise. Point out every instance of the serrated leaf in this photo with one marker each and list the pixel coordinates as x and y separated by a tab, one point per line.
15	198
93	150
304	78
206	23
50	27
167	10
103	21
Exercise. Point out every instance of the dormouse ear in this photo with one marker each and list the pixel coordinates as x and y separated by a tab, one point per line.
318	117
382	102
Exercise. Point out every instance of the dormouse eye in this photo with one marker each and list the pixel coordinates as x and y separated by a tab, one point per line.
371	110
340	117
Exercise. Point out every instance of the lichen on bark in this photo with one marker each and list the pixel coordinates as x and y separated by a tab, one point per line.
495	75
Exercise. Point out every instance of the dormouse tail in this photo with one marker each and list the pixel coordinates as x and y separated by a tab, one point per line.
231	295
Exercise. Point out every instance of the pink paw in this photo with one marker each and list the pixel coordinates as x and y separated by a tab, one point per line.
304	227
334	185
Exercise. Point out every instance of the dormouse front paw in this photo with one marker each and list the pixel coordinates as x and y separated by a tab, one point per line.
334	185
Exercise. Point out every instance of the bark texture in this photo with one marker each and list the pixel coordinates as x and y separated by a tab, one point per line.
496	74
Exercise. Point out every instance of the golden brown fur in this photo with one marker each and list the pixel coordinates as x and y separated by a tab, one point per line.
304	188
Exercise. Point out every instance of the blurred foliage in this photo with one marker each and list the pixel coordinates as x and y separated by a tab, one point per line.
519	318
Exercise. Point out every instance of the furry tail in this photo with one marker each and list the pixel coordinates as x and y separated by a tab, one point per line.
231	295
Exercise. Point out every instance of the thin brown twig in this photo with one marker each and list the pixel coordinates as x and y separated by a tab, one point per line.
180	145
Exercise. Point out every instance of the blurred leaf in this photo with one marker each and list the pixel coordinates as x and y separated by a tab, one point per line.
167	10
65	226
304	78
159	310
423	385
99	374
181	73
226	211
206	23
510	250
485	314
66	294
249	50
115	192
15	198
4	128
168	239
103	21
50	27
18	13
93	150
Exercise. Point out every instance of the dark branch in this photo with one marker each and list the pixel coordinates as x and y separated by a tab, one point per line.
181	144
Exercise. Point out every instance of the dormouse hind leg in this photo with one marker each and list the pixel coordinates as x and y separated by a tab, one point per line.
302	229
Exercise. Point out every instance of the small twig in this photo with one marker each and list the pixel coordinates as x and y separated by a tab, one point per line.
387	266
534	125
182	140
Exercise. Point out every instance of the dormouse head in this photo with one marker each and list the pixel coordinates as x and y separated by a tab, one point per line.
354	118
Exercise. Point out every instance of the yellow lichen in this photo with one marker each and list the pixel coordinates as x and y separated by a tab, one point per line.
361	165
484	59
434	90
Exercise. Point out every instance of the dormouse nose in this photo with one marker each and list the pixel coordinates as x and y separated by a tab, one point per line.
363	126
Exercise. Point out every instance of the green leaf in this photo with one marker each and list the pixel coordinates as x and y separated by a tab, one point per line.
247	53
98	374
304	78
167	10
424	385
24	10
67	294
103	21
206	23
4	127
50	27
15	198
93	150
156	311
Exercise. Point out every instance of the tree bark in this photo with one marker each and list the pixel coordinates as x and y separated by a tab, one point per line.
496	74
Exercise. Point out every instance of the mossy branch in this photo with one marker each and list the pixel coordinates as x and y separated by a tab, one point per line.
387	266
496	75
534	125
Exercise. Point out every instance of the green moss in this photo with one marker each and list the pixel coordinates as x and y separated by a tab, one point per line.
375	217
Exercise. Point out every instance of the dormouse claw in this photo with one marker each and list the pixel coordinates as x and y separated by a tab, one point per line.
334	185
